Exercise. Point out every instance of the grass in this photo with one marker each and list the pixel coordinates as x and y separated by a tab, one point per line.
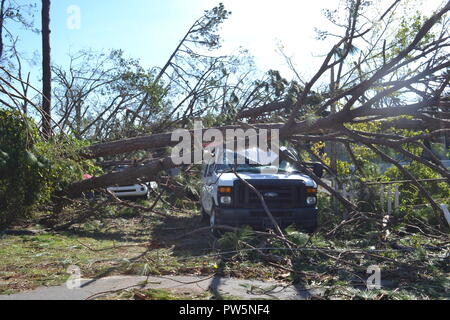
28	262
109	246
31	261
157	294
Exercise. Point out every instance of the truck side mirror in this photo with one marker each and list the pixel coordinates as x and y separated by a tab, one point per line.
318	169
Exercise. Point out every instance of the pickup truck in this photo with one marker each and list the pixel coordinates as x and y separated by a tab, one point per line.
289	193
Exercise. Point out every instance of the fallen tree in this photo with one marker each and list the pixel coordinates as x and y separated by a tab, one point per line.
366	100
394	84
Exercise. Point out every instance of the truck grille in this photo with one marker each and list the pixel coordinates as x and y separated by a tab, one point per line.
276	214
278	194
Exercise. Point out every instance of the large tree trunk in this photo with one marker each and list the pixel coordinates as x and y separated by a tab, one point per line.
46	71
2	21
131	175
322	125
154	141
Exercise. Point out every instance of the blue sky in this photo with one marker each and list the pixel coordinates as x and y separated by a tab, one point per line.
150	29
144	29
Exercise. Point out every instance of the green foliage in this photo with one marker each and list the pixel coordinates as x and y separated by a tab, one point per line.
343	167
375	169
66	165
31	170
297	237
407	32
410	195
190	184
22	172
235	240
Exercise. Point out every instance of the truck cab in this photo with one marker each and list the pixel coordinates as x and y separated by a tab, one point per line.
289	193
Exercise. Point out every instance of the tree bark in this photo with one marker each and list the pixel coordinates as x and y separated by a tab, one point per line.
132	175
153	141
46	71
2	21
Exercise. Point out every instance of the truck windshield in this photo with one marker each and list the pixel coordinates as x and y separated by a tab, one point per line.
283	167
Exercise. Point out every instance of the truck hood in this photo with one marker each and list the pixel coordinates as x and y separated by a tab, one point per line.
227	179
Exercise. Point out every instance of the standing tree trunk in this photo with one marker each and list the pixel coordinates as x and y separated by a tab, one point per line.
2	21
333	150
46	71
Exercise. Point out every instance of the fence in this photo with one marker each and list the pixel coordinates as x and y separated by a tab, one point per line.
389	197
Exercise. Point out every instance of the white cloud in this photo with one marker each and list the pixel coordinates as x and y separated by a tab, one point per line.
259	25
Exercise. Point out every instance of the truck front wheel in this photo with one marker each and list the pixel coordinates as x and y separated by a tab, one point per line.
205	216
213	223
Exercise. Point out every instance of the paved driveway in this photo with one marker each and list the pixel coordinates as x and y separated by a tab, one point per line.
218	286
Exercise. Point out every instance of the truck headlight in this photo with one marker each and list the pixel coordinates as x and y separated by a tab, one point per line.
310	201
225	200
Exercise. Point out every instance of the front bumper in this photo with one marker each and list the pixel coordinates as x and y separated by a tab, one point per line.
304	218
137	190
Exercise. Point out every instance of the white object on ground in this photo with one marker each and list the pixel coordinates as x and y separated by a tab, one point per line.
397	200
446	212
137	190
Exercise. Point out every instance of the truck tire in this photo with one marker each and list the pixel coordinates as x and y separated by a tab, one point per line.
205	216
213	222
